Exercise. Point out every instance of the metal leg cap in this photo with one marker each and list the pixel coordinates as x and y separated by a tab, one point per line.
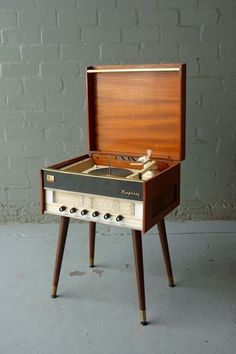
171	285
91	262
54	292
144	323
143	318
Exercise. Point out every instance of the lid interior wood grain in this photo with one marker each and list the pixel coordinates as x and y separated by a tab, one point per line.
134	108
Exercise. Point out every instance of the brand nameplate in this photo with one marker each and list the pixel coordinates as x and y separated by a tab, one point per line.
50	178
130	193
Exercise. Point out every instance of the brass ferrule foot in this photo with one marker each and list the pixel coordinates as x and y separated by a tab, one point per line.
143	318
53	292
91	262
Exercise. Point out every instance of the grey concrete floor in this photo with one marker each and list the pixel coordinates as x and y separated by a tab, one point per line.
97	310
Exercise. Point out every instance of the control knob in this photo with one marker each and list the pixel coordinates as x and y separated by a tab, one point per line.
119	218
62	208
84	212
73	210
107	216
95	213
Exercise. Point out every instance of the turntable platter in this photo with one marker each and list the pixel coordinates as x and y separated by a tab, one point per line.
111	172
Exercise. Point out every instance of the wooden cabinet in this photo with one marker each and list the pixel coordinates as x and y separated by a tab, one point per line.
132	111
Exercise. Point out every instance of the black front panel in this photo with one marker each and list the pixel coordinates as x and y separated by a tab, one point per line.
94	185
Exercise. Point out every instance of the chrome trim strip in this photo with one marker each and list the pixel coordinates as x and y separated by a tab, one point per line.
91	71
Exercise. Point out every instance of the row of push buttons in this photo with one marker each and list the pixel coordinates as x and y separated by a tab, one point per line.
94	214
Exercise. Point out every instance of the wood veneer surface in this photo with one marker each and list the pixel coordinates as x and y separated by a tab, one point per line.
130	112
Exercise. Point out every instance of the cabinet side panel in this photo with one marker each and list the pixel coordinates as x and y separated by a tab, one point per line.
161	196
42	192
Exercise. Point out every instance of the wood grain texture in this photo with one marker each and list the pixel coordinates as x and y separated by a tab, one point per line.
92	234
138	259
130	112
64	223
165	249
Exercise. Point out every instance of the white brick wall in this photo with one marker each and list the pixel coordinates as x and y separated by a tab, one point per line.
44	48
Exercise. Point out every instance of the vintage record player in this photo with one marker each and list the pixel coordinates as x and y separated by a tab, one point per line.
131	175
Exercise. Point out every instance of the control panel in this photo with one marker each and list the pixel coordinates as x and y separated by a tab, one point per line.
96	208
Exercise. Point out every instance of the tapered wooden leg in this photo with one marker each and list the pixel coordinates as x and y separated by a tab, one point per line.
138	258
92	232
165	250
64	222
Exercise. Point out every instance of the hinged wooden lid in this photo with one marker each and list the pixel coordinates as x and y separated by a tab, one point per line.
134	108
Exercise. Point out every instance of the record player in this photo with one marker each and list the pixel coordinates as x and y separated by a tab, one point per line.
131	175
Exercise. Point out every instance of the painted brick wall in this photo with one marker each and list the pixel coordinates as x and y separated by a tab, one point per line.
44	47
